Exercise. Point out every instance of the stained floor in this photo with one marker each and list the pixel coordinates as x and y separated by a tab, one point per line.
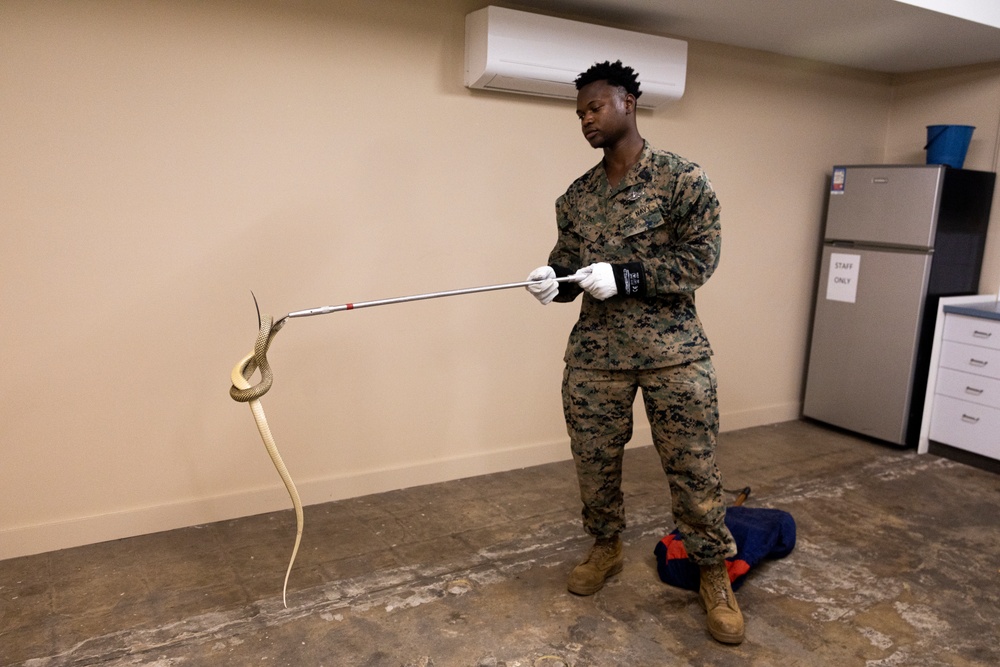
896	563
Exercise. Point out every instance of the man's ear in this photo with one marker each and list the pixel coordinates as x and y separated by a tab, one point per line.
630	103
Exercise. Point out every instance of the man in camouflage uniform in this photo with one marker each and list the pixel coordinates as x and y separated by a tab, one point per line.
640	232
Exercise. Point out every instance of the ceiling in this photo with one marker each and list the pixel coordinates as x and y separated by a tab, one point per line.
892	36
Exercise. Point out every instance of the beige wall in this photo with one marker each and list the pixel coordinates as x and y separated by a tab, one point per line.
162	159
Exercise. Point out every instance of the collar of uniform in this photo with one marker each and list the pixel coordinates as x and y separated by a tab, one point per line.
638	174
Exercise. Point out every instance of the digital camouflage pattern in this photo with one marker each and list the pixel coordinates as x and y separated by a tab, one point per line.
682	409
663	214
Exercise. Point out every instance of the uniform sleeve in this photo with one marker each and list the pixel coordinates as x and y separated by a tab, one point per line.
692	255
565	256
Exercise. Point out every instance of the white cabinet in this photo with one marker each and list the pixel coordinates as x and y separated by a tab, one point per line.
966	404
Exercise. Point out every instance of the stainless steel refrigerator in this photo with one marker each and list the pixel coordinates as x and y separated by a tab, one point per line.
897	238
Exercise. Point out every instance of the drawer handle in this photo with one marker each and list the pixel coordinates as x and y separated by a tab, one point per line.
970	420
973	391
982	334
978	362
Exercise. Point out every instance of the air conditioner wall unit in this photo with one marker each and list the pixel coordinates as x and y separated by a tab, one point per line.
532	54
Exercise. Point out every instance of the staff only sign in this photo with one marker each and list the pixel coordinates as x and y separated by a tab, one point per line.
843	282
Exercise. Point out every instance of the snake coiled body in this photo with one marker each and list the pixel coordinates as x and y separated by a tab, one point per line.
244	392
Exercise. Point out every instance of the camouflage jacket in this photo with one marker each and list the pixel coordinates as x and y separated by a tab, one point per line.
663	214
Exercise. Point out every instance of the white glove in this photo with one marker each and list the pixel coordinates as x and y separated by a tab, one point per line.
598	280
546	290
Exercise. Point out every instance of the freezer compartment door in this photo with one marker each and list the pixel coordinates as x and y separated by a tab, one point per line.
864	341
891	205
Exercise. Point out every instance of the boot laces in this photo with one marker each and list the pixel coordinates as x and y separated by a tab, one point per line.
718	585
602	551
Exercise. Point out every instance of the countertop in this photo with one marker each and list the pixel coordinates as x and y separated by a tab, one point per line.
989	311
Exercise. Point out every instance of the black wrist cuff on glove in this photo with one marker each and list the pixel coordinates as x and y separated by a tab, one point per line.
629	278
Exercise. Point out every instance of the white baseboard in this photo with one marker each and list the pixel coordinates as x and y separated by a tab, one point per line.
771	414
35	539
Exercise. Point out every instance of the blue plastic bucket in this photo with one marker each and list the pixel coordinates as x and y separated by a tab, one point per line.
947	144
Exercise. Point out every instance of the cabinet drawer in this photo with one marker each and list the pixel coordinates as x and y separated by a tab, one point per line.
972	330
968	387
970	359
965	425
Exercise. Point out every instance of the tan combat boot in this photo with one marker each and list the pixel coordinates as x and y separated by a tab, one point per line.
725	621
604	560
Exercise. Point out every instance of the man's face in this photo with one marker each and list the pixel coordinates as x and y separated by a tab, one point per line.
601	109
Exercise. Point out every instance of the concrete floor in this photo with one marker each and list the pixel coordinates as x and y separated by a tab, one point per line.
896	564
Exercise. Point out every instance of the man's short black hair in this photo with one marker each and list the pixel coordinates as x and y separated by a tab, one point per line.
615	74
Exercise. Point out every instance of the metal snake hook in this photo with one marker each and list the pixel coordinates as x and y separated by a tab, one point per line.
323	310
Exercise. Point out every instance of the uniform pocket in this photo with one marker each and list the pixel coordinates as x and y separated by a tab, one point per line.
589	226
642	220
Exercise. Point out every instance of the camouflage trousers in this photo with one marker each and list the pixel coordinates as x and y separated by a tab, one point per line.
683	413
